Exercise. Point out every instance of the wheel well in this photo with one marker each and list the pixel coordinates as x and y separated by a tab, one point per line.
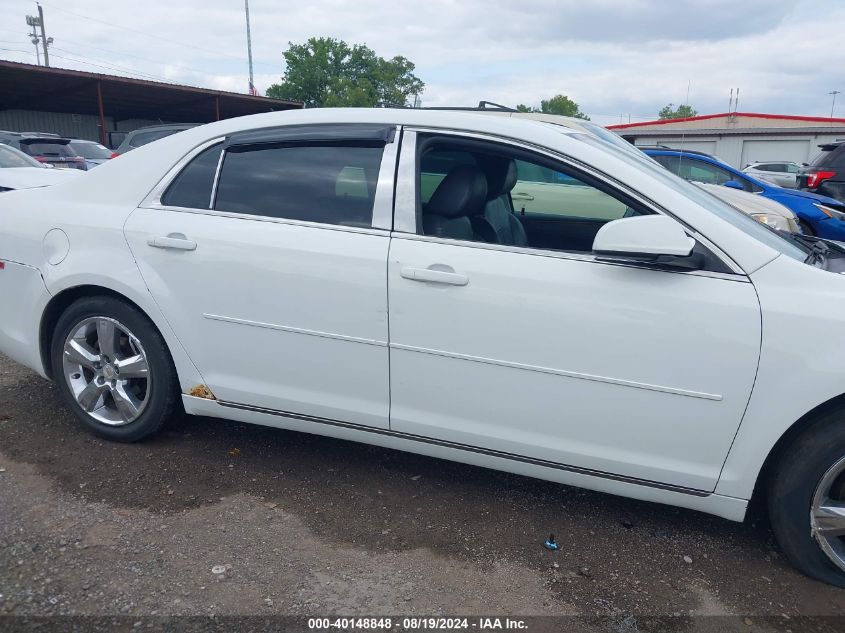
59	304
758	497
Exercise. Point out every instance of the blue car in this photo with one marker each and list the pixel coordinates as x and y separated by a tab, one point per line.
817	215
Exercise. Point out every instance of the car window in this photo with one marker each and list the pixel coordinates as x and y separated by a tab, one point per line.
762	167
192	187
330	184
93	151
547	206
142	138
792	168
435	166
720	208
41	148
697	170
11	158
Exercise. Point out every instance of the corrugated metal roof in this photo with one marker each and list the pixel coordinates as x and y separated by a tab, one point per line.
28	87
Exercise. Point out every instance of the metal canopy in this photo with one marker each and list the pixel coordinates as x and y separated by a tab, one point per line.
28	87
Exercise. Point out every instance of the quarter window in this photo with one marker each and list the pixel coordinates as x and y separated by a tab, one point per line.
192	187
326	183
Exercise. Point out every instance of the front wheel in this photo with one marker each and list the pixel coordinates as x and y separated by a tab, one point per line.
807	500
113	369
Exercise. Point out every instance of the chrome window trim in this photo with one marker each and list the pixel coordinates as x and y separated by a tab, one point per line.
153	198
405	205
405	208
383	200
216	177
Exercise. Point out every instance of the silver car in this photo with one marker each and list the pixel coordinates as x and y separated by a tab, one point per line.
780	173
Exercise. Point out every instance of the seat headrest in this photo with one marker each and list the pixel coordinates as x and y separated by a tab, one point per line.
462	192
501	176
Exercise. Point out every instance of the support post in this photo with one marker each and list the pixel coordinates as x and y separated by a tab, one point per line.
102	113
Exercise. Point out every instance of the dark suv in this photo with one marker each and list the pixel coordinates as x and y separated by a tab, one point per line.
50	149
826	174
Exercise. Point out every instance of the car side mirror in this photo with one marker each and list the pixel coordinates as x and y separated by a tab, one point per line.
647	239
734	184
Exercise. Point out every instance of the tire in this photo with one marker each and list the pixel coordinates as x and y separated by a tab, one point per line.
123	389
808	469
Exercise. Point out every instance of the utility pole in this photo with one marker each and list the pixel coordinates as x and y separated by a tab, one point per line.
44	41
252	89
33	37
37	21
833	105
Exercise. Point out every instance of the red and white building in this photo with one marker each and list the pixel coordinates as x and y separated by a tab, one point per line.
740	138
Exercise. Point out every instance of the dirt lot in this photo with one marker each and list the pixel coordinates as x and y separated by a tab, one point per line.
311	526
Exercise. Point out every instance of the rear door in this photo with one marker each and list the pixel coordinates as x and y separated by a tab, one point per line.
272	273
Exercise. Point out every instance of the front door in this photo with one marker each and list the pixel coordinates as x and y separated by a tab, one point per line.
553	355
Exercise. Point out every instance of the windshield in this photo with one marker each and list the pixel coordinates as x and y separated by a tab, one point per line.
10	157
93	151
737	218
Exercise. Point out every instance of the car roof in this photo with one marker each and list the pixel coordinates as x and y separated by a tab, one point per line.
661	148
165	126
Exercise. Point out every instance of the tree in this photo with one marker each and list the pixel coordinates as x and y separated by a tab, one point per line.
563	106
559	104
325	72
681	112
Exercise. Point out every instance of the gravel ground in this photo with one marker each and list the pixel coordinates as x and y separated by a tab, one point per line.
304	525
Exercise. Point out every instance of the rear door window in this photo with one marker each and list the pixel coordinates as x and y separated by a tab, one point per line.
329	183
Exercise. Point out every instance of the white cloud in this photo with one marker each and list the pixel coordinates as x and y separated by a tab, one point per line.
614	57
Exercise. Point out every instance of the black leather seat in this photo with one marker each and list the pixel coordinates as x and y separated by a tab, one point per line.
499	224
460	195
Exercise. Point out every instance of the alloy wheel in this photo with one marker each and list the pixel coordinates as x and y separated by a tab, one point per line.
827	516
107	371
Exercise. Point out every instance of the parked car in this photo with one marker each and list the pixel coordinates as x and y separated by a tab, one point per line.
781	173
45	148
818	215
144	135
625	354
826	173
768	212
93	153
19	171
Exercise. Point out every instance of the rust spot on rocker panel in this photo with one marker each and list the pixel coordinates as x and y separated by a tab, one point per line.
201	391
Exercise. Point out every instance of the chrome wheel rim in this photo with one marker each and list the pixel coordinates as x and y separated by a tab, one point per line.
107	371
827	516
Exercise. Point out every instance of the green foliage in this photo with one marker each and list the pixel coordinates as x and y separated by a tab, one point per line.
681	112
563	106
559	104
325	72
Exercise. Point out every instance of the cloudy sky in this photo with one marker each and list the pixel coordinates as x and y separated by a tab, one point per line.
616	58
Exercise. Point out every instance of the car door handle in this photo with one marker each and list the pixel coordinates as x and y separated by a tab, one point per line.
449	277
521	196
174	241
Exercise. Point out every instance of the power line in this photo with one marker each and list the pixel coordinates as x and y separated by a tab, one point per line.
150	35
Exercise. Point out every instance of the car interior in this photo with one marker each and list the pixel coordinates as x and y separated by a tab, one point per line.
467	193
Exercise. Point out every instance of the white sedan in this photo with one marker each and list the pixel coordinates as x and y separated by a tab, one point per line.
288	269
19	171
